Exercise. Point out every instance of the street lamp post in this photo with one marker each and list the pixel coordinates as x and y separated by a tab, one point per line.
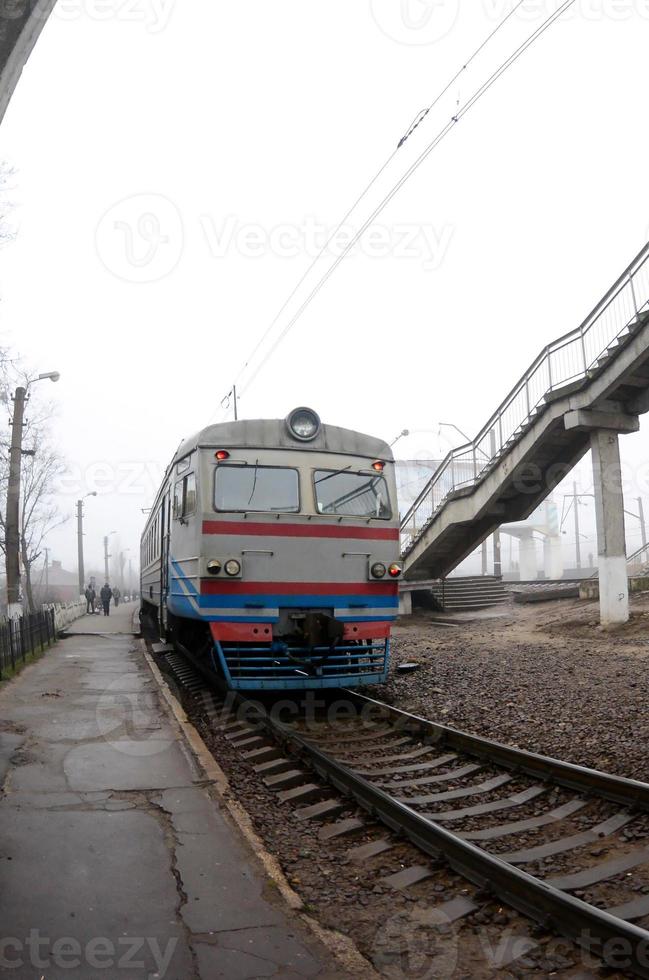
106	555
122	562
12	533
82	574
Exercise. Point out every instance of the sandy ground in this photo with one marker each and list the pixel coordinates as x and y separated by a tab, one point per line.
545	677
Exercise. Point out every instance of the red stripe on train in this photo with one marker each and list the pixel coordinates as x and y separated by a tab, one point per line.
301	530
223	587
262	632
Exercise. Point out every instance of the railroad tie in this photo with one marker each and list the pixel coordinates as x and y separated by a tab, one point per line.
366	851
605	829
301	794
286	780
348	826
440	760
443	777
600	872
505	829
407	877
318	811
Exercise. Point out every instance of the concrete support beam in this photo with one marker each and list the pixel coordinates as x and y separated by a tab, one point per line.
552	556
586	419
405	603
611	547
527	561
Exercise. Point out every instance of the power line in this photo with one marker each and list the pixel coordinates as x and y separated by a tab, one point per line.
468	105
419	118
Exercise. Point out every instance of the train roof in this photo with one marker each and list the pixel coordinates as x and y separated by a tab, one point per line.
275	434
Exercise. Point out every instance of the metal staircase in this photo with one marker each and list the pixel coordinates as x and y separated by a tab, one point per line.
535	437
459	594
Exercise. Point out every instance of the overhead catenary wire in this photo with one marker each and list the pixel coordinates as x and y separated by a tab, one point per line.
441	135
418	119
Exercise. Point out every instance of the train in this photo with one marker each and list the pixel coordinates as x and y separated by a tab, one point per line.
271	551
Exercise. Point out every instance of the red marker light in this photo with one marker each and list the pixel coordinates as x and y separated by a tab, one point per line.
394	570
221	454
378	465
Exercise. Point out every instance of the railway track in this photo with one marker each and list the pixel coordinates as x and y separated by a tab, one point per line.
566	846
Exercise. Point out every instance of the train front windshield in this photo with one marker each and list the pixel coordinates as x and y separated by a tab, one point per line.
351	494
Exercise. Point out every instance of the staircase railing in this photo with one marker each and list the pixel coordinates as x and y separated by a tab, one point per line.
641	556
573	357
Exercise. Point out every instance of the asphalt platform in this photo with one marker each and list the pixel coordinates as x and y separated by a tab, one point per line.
115	862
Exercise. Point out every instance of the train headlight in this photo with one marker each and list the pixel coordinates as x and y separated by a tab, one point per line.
213	567
395	570
378	569
303	424
233	567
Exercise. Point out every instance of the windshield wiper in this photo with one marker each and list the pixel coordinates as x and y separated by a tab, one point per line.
336	473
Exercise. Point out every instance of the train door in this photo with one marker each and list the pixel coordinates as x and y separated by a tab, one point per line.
165	531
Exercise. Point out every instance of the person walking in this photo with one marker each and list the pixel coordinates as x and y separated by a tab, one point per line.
90	600
106	595
117	595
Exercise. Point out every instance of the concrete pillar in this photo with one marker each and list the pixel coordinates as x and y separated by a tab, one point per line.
552	556
405	603
609	509
528	567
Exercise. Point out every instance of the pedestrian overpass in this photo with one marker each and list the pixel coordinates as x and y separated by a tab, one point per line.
580	393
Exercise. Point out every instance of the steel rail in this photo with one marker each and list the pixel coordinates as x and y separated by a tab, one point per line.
629	792
588	926
620	944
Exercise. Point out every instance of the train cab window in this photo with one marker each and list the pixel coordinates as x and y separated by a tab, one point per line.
185	496
351	494
271	489
189	501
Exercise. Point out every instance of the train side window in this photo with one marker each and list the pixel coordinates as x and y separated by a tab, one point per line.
185	496
178	500
189	496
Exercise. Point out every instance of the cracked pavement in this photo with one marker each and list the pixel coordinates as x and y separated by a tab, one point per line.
114	859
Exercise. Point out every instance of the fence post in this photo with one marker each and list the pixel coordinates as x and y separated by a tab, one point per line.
635	301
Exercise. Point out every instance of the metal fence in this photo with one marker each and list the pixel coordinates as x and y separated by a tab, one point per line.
24	635
571	358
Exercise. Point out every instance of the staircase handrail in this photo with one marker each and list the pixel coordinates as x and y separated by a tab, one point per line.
624	291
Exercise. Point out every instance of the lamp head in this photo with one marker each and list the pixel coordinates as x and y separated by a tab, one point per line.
52	375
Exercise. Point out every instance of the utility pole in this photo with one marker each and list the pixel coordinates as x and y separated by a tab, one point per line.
643	527
130	577
234	396
575	504
47	573
82	574
12	544
106	557
81	570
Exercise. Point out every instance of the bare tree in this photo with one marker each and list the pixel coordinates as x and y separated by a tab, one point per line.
41	467
40	514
